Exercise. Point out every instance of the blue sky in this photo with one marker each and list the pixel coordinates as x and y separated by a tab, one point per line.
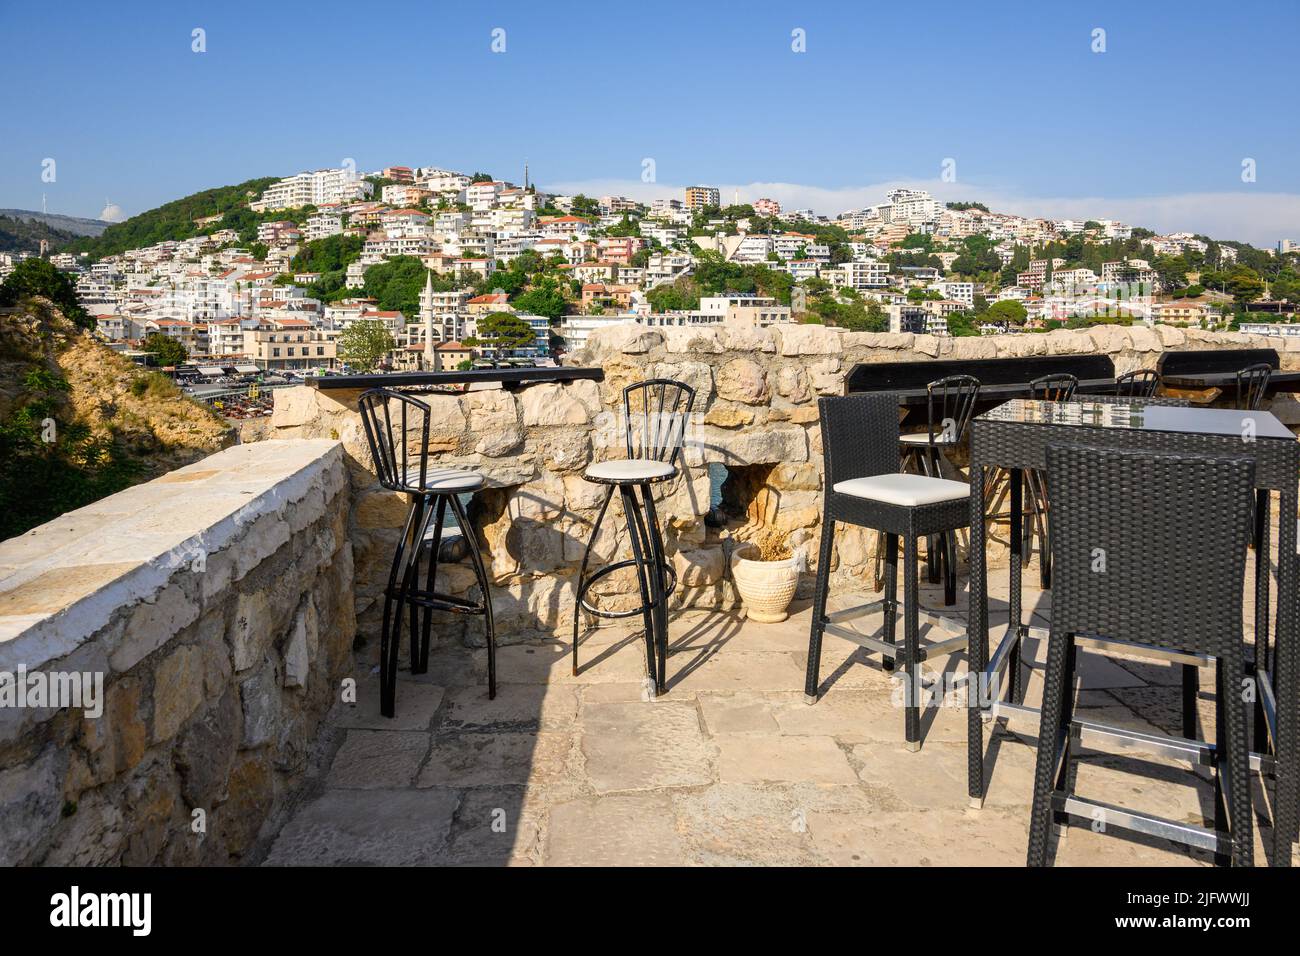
1153	130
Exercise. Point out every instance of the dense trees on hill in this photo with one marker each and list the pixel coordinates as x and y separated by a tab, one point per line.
330	257
168	351
25	235
39	277
174	220
499	332
545	297
396	284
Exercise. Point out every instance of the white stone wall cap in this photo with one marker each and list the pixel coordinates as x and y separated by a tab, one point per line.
62	582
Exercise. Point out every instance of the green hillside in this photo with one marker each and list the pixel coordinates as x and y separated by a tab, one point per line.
25	235
175	220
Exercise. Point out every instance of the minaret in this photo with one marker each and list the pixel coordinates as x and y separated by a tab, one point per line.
426	313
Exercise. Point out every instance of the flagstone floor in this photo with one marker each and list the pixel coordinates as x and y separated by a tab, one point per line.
730	767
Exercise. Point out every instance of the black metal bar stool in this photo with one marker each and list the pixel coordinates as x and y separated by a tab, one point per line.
1252	386
1125	523
655	416
950	402
1057	387
393	422
862	485
1139	383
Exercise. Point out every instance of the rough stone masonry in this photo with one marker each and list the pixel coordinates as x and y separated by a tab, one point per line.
755	413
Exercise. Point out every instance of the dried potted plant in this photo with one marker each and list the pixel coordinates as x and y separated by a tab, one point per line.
766	572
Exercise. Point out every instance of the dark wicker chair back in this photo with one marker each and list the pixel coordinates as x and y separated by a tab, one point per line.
655	413
1252	385
951	402
1149	547
393	422
1139	383
859	436
1057	387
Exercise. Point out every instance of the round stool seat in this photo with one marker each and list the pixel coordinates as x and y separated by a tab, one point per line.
444	481
629	471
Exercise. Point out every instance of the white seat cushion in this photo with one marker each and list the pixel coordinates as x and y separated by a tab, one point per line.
445	480
630	469
909	491
923	438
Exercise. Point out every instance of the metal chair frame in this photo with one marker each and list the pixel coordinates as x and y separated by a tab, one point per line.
389	438
662	418
1139	383
950	405
1252	386
1057	387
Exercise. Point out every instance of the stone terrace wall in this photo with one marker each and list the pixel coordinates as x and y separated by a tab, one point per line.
216	605
756	414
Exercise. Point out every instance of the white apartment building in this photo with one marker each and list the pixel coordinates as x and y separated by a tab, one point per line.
119	328
745	308
745	248
403	194
322	225
665	208
1068	279
860	275
483	196
226	336
665	266
314	188
575	329
963	292
912	206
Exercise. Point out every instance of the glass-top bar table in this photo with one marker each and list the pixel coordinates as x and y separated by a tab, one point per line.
1015	436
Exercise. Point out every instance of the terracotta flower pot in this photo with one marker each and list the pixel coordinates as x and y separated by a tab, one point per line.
766	587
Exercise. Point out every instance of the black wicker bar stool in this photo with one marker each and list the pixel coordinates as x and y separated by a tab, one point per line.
863	486
393	423
1126	522
655	417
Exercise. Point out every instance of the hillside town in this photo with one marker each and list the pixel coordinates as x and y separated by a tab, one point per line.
433	269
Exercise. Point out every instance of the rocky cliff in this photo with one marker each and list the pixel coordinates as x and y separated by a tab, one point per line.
78	421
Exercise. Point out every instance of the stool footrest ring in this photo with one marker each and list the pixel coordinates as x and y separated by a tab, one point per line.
595	576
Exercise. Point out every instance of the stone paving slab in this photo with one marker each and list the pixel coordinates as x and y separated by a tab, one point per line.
742	825
730	767
495	759
378	759
496	826
747	759
416	705
367	827
523	707
626	830
639	745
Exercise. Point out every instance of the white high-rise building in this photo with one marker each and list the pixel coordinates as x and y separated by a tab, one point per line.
912	206
314	189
